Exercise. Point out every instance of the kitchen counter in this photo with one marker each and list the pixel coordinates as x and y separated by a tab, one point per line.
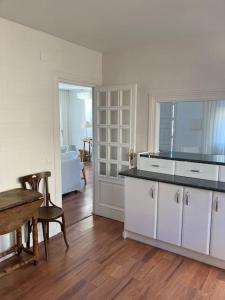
174	179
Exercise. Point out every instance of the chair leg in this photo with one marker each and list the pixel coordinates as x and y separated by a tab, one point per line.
28	234
47	232
45	238
84	176
64	230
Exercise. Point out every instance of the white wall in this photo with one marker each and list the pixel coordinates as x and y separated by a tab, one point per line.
169	67
30	64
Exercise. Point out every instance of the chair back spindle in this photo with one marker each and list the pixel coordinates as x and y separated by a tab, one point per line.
33	181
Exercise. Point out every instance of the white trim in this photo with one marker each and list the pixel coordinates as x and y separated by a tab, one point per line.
175	249
111	206
116	87
70	79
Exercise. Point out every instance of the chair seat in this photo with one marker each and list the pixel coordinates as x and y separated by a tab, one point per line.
49	213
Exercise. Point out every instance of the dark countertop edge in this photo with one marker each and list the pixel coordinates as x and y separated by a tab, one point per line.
210	185
209	162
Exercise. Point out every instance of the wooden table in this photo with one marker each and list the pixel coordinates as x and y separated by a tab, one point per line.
17	206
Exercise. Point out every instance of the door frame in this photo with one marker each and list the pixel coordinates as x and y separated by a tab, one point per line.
69	79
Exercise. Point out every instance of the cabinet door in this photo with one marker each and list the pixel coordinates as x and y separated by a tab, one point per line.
141	206
169	220
217	246
196	219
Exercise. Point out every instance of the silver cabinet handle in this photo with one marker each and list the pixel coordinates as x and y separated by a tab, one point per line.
152	193
216	204
187	199
177	196
155	166
195	171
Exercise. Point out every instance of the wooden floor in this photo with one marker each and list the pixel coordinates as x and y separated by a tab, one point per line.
101	265
79	205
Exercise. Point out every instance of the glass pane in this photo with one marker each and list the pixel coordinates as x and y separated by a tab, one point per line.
125	136
102	152
189	124
102	168
102	135
113	117
102	99
125	117
113	135
102	117
166	126
113	170
126	96
125	154
113	152
114	98
124	167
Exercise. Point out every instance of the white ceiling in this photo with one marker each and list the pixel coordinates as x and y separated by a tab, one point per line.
106	25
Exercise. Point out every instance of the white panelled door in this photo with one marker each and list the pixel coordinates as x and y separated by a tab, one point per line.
114	139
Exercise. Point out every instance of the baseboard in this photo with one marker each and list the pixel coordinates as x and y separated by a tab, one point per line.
175	249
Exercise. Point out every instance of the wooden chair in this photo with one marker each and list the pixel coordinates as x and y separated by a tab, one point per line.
47	213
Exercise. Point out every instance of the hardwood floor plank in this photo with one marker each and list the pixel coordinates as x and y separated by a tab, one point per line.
101	265
79	205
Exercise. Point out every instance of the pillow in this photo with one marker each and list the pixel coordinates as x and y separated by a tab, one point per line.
68	155
72	148
64	148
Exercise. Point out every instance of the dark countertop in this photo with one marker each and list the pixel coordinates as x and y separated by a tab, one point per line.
174	179
192	157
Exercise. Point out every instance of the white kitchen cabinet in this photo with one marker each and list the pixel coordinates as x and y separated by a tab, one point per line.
141	206
196	219
169	219
217	245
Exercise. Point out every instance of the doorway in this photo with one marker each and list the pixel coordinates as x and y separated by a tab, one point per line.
76	139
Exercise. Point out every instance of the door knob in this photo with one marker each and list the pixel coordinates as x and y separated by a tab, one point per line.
177	196
187	199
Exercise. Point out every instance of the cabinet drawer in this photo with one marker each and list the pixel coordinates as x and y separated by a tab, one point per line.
196	170
156	165
222	173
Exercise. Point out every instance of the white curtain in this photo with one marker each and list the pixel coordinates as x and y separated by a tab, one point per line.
214	127
64	100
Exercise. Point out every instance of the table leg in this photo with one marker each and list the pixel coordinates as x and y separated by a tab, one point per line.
19	240
89	151
35	240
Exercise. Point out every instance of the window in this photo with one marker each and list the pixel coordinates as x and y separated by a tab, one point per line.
192	126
